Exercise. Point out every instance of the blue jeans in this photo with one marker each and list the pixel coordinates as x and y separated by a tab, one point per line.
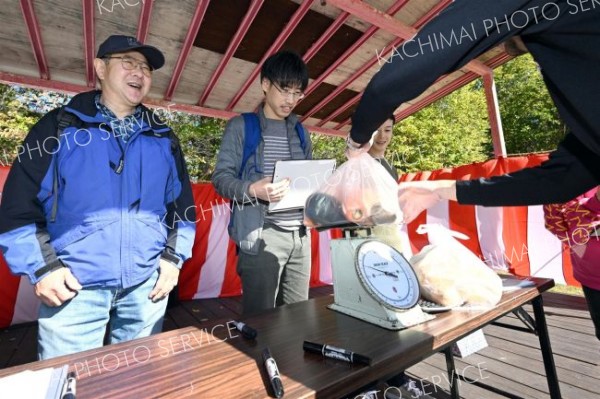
80	323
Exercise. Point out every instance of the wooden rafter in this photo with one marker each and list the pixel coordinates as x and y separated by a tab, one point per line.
283	36
35	37
186	47
89	41
231	49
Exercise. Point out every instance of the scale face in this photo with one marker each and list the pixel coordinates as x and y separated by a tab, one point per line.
387	275
373	282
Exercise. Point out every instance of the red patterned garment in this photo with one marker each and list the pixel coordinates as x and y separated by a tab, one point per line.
577	224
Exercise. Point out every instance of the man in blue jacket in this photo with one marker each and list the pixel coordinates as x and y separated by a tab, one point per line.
97	210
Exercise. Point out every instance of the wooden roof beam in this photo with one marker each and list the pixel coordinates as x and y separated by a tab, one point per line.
186	47
342	86
388	23
231	49
365	67
35	37
316	46
89	41
492	63
340	110
283	36
40	83
352	49
144	21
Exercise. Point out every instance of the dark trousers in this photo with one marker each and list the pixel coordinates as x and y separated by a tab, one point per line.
592	297
279	274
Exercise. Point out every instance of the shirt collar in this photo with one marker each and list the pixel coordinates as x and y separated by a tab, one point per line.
122	128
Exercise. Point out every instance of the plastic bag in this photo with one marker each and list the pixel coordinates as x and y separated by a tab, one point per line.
450	274
359	192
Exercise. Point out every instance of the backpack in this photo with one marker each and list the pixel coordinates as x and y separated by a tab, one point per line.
252	135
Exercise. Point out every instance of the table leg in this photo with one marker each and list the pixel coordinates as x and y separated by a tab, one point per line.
542	331
452	376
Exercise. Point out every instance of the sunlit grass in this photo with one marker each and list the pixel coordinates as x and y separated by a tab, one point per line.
567	290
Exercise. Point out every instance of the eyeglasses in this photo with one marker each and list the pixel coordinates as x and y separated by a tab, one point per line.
129	64
296	96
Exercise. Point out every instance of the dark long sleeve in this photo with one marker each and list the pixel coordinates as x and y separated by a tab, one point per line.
561	178
181	213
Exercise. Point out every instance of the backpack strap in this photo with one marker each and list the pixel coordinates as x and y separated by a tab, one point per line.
64	119
301	136
251	138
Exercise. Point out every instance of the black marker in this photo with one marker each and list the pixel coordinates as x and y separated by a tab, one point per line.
69	387
274	377
336	353
246	330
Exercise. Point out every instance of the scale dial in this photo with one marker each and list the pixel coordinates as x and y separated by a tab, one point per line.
387	275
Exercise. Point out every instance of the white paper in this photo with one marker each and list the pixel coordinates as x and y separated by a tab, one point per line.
40	384
27	384
305	177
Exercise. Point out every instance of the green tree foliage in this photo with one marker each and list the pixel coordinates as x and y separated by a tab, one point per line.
200	140
16	118
530	119
453	131
328	147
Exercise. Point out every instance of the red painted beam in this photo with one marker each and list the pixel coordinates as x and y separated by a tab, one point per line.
144	21
89	41
351	50
388	23
316	46
365	67
442	92
285	33
351	102
232	48
492	63
186	47
498	60
347	121
35	37
342	86
347	105
43	84
341	109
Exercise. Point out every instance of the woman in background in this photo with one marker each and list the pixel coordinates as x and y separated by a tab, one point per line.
577	224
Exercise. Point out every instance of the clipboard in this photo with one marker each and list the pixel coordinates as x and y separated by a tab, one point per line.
305	177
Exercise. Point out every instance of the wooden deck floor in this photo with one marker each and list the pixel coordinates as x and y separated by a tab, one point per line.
510	367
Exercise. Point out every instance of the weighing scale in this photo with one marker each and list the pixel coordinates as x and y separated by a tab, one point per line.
373	282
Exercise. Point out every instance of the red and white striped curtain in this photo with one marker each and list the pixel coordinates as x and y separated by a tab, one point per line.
513	238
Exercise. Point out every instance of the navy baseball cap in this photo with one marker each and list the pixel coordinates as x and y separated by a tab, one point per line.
122	44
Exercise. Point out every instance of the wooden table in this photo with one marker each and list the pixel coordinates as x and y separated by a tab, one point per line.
196	363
